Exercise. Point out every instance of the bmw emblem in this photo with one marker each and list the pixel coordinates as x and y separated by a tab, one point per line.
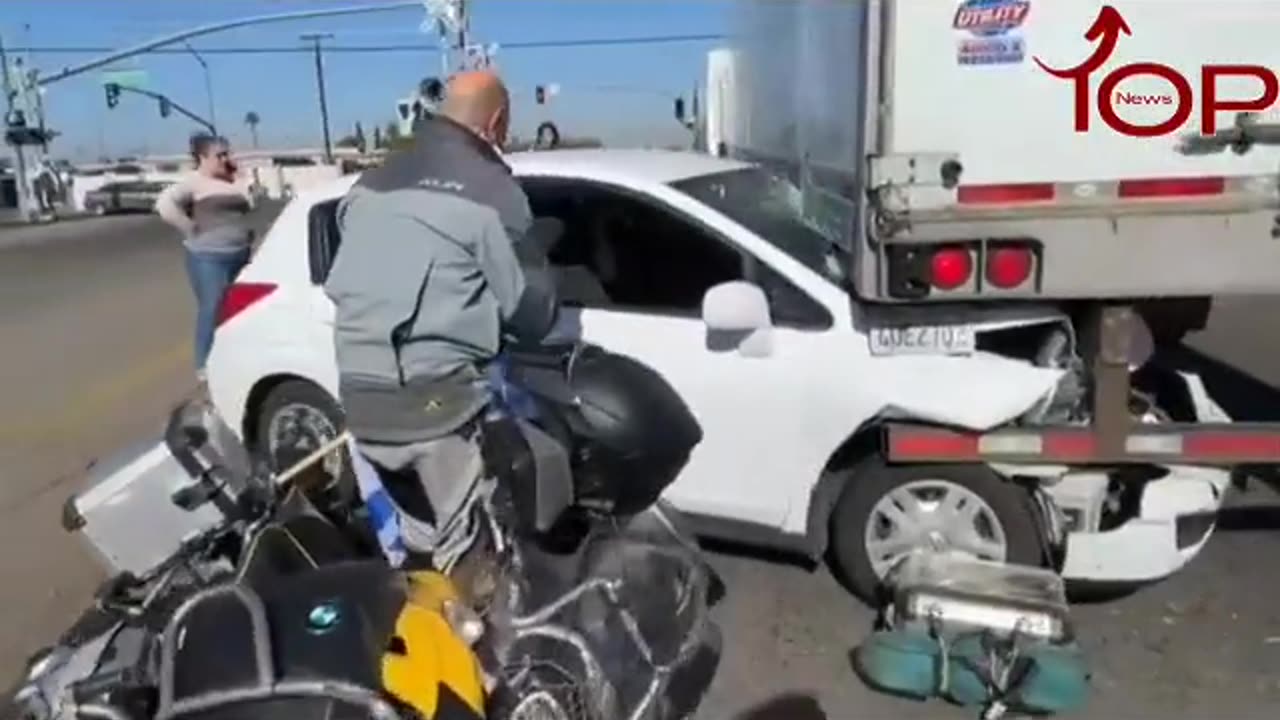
323	618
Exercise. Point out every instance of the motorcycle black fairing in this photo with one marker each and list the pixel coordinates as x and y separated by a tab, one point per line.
313	639
293	546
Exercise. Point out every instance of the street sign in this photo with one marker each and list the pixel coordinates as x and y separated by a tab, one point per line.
136	79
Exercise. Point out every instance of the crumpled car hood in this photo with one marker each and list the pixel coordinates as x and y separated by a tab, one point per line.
977	392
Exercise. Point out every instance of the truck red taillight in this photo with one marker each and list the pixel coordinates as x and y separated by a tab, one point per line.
950	267
240	296
1008	266
962	268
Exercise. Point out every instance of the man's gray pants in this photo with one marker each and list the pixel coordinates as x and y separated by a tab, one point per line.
451	470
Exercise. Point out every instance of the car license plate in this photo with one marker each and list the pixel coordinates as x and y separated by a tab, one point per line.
923	340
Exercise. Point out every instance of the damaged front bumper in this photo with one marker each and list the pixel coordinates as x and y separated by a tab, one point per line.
1176	516
1175	520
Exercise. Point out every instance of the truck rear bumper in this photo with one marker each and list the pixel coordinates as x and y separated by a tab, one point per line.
1174	523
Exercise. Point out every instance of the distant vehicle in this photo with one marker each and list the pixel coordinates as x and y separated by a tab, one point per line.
130	196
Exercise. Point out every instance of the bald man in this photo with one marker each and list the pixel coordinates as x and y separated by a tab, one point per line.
427	284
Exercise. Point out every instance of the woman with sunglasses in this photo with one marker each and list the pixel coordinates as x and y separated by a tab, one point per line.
210	211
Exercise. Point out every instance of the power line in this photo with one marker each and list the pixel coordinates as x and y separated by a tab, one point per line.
384	48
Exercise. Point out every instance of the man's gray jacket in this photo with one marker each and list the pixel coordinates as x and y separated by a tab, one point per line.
426	282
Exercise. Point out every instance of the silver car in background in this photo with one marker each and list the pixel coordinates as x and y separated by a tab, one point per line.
124	196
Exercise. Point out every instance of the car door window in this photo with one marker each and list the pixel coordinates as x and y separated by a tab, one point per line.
323	239
623	252
789	306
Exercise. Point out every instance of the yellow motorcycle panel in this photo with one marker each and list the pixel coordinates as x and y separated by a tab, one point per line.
427	665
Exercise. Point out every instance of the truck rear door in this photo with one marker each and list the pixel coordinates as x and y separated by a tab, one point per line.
971	78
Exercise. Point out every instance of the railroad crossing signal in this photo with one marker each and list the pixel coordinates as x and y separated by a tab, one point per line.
113	94
17	132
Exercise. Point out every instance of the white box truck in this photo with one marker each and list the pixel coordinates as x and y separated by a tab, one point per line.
1004	151
967	156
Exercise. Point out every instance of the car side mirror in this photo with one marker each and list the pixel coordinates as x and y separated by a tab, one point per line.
736	314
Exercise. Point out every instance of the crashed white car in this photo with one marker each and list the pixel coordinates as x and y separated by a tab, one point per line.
704	269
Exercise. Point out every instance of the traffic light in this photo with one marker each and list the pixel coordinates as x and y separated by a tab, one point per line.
679	109
540	95
166	107
113	95
547	137
432	89
23	135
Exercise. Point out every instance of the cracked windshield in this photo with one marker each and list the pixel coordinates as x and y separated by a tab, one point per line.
385	359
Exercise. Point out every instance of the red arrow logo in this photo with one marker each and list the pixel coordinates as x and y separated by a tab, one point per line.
1107	27
1106	31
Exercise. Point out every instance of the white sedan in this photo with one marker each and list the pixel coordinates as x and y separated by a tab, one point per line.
706	270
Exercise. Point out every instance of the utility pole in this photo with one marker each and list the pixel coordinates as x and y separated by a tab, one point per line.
38	94
13	100
36	99
451	23
463	27
315	39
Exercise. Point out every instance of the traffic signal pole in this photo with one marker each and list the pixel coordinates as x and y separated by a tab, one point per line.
16	98
218	27
164	102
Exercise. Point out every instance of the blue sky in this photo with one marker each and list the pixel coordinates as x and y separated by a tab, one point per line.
615	92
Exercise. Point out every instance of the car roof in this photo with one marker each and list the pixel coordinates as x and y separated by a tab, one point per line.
650	166
629	167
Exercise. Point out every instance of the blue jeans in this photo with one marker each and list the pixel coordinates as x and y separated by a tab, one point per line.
210	273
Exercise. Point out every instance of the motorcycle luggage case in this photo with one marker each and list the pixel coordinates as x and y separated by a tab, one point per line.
126	509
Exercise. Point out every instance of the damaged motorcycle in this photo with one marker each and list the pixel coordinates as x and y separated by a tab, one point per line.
234	597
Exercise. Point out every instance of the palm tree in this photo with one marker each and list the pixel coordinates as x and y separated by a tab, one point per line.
251	119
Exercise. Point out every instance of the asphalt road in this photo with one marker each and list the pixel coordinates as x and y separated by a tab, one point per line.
95	315
94	350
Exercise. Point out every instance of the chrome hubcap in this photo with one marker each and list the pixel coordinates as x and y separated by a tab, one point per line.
936	515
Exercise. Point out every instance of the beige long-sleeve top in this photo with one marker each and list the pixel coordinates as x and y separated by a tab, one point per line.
209	212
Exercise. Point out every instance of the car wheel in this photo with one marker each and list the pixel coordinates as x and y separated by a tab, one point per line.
99	210
885	512
295	419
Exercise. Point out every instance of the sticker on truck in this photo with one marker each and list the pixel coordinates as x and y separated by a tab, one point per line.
989	29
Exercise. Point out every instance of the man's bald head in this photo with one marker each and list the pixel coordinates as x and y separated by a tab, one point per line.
479	100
